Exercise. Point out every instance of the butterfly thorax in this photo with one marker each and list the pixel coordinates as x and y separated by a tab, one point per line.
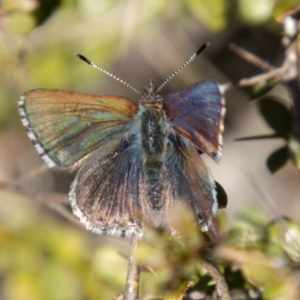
154	135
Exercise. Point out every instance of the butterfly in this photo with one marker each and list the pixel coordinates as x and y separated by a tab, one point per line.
134	162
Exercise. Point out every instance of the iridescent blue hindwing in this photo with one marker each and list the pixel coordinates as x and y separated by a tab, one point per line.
197	113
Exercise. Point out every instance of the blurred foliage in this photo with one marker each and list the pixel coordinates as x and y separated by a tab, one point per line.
45	259
285	121
50	260
213	14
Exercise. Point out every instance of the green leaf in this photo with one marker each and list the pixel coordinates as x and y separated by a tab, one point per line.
261	88
278	159
276	114
294	149
46	9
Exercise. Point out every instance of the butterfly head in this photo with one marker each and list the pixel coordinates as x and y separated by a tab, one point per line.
150	97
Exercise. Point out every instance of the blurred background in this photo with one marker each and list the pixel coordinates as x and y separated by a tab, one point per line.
44	255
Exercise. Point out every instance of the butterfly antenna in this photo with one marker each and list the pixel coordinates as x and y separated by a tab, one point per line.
107	73
183	66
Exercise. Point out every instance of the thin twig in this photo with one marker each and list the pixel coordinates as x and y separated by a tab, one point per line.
222	288
47	200
251	58
263	77
286	72
33	173
276	135
133	272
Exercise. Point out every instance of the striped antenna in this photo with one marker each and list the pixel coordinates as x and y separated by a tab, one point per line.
107	73
183	66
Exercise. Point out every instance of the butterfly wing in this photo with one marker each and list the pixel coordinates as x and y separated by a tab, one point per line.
67	126
105	194
197	113
108	194
191	183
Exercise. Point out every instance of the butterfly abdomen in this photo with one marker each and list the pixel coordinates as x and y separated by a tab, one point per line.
153	141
